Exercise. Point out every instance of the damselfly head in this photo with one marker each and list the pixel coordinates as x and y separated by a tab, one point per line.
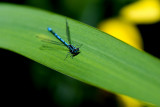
75	52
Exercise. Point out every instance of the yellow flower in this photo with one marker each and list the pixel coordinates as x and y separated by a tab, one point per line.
126	101
142	12
122	30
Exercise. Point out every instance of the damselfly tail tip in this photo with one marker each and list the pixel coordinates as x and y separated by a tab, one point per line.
49	29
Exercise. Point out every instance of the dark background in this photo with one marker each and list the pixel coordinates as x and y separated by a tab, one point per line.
27	83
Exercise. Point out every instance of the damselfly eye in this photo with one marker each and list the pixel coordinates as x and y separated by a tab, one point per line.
77	49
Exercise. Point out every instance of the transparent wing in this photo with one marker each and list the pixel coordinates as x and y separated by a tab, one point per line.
52	42
77	44
47	40
46	47
51	47
68	32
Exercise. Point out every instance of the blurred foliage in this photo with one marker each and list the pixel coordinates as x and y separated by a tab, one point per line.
87	11
45	4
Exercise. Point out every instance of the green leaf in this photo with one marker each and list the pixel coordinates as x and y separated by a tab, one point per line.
104	61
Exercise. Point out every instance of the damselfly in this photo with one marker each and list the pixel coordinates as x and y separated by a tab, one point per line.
73	51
